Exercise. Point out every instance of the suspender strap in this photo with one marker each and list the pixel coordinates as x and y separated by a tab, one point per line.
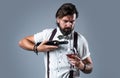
75	46
71	74
53	34
48	62
75	39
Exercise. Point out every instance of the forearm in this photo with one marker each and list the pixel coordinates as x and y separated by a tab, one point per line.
87	68
26	44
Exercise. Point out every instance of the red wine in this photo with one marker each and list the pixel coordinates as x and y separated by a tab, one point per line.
72	56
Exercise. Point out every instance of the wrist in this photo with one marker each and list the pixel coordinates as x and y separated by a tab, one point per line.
35	49
84	67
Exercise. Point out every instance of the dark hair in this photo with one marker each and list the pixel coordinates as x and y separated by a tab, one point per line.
66	9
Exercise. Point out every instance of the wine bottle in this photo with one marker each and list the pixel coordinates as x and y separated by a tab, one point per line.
54	42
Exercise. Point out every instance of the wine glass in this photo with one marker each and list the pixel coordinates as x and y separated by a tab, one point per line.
72	55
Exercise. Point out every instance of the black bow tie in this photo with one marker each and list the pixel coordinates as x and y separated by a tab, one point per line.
64	37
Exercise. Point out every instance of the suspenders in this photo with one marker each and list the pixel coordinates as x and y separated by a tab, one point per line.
75	39
48	62
75	45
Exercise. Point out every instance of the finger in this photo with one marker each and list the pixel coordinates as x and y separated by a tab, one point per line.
71	59
52	47
71	62
75	63
77	58
74	57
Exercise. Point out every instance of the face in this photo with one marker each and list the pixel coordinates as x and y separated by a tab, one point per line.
66	24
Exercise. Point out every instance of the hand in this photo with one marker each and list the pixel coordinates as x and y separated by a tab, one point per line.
75	61
44	48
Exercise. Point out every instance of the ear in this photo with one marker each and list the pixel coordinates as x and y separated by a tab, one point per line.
58	20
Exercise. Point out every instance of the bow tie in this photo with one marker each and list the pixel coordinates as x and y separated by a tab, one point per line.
64	37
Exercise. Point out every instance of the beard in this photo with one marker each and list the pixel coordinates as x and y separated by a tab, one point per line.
66	31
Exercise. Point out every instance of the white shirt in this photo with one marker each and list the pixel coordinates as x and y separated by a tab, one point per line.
59	64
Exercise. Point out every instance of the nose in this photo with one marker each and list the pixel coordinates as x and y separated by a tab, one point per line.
68	24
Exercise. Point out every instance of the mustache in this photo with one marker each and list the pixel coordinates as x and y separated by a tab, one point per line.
67	31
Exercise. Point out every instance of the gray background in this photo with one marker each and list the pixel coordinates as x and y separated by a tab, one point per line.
99	22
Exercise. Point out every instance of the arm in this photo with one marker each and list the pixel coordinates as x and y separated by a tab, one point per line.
28	43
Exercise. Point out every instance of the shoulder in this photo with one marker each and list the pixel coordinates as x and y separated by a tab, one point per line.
83	47
45	31
82	38
48	30
43	35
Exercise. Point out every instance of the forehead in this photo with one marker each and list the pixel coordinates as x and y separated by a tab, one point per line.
69	17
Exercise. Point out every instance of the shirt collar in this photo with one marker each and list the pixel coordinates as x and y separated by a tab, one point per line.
58	31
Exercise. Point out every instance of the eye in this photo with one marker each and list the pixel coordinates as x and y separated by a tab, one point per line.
65	21
71	21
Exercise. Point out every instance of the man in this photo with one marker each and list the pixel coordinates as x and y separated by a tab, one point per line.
57	63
